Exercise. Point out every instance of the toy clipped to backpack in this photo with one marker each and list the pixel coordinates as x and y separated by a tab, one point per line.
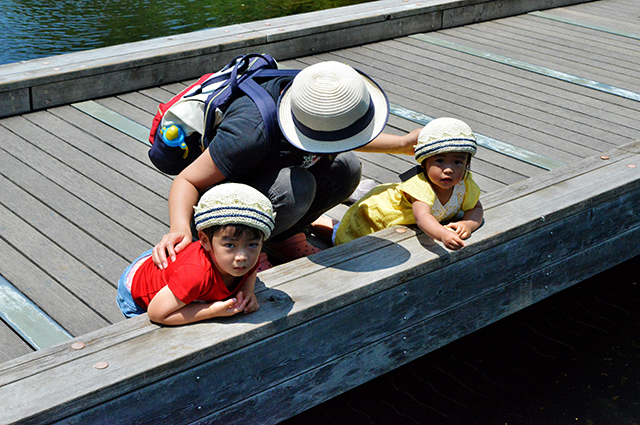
174	149
174	136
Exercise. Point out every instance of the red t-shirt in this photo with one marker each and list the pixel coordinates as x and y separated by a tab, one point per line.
191	277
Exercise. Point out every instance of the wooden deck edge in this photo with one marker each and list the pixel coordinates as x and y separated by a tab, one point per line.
58	80
341	317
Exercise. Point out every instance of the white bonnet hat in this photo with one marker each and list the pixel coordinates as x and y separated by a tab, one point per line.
445	135
235	203
331	107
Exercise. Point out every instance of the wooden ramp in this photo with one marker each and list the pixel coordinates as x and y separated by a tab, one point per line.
79	200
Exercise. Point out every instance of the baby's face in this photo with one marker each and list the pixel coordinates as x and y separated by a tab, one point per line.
446	170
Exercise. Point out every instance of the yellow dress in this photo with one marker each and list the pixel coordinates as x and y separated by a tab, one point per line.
389	204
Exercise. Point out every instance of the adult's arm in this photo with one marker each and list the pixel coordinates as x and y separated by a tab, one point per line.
183	196
391	143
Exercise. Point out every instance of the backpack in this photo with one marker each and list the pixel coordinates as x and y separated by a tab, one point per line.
184	126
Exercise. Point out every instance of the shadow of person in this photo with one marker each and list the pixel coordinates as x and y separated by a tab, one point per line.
430	245
365	254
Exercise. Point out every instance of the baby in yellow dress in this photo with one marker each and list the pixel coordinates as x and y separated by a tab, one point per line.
444	188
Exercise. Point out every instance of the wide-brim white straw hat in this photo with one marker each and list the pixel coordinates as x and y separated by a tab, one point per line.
331	107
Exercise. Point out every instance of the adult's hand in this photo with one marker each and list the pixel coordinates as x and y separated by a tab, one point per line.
183	196
169	246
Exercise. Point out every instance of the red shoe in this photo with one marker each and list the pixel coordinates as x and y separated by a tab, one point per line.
323	227
293	248
265	264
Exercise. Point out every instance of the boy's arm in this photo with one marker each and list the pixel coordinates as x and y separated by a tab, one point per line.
471	220
167	309
433	228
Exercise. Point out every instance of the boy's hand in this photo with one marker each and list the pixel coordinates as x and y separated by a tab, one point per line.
229	307
252	303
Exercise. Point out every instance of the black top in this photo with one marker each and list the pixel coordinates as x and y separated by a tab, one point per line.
240	145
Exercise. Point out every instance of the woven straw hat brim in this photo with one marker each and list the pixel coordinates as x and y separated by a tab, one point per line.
301	141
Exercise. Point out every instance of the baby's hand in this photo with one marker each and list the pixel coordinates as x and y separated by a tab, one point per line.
460	228
451	239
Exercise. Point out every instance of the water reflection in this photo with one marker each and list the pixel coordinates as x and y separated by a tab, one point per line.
41	28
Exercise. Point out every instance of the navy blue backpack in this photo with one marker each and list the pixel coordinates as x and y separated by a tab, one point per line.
184	126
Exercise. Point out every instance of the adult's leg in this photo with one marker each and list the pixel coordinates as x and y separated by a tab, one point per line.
335	182
291	191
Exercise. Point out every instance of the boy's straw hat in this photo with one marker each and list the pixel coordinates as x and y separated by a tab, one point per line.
235	203
330	107
445	135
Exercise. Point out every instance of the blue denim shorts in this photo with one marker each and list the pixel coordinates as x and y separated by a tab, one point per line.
124	298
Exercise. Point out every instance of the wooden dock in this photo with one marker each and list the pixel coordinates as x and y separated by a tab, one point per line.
553	95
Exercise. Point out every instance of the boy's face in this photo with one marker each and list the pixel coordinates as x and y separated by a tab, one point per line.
447	169
233	256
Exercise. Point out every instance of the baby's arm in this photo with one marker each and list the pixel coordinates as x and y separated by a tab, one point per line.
469	222
433	228
167	309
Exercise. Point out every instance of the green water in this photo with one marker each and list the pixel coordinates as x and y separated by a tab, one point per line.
35	29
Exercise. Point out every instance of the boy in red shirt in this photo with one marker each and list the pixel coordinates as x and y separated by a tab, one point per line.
213	278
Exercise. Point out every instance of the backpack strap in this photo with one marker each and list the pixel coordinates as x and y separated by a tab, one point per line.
263	100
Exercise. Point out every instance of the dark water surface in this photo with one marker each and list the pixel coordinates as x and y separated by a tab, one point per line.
573	358
37	28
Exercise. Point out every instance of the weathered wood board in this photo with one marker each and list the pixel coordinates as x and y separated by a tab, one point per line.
344	316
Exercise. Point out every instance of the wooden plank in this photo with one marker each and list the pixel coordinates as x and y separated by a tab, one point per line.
583	99
581	50
544	230
581	116
46	290
621	157
128	110
12	346
31	365
109	191
98	226
13	102
97	293
115	139
56	227
314	386
615	25
544	62
536	109
143	103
